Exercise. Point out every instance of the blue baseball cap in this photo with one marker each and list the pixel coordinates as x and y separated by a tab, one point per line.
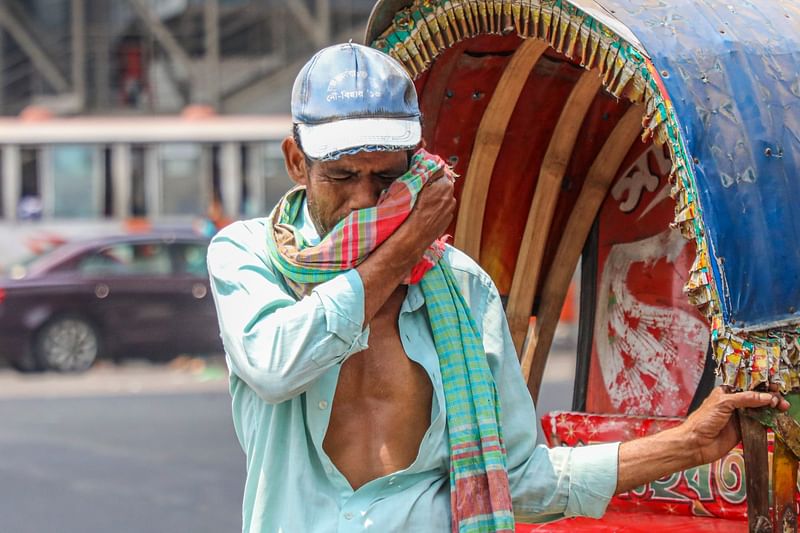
350	98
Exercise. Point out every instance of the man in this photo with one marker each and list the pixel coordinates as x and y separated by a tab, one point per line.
346	324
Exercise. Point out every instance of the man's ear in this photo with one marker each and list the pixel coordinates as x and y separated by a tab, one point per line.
295	161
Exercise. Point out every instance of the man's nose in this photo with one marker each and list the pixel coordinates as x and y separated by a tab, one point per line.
366	193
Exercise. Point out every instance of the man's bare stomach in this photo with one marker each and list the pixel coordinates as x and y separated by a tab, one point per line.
382	405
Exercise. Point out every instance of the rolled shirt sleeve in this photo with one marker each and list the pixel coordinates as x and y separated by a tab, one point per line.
275	343
593	477
546	483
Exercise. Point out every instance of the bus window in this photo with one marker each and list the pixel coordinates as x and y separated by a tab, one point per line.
184	180
267	180
138	196
216	171
247	193
30	171
108	184
278	181
74	182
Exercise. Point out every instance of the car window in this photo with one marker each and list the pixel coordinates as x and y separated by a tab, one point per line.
36	262
191	259
140	259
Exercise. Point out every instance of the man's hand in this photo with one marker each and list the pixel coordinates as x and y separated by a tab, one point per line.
432	214
713	430
705	436
384	270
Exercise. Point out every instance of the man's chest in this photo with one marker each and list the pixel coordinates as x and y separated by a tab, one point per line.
381	408
384	371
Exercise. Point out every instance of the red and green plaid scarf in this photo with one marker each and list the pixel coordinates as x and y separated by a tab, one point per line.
479	491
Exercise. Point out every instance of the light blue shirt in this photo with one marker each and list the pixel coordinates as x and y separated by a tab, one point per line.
284	358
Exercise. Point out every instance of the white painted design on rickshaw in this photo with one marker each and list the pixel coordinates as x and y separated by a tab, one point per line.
644	174
638	344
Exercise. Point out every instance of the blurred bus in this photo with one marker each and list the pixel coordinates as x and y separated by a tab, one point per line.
165	169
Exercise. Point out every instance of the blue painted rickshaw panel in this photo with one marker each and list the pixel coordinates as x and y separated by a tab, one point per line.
732	70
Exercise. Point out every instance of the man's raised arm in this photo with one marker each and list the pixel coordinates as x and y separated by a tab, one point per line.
279	345
275	343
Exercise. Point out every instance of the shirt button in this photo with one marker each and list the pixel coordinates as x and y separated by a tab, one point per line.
328	470
323	404
348	516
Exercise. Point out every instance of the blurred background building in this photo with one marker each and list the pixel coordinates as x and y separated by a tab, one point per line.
163	110
158	56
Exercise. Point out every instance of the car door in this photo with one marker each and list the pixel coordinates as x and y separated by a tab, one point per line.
134	294
198	329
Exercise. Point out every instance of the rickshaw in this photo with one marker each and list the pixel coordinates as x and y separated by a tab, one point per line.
656	143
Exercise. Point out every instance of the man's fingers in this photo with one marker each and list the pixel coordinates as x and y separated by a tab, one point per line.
437	181
436	177
444	187
783	404
756	399
720	391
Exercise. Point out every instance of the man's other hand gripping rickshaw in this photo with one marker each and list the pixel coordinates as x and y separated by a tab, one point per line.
656	142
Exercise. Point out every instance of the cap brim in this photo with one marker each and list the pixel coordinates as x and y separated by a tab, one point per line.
321	140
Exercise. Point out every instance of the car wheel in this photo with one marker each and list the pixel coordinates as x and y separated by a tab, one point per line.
67	344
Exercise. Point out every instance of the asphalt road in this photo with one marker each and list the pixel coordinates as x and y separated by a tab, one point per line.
162	463
136	449
147	448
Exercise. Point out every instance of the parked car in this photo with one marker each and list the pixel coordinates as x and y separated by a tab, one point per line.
108	297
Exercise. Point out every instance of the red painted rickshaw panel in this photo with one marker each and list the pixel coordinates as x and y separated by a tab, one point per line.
469	89
603	115
431	88
494	44
649	343
517	169
460	114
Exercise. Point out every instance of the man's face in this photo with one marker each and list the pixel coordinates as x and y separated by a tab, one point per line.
335	189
